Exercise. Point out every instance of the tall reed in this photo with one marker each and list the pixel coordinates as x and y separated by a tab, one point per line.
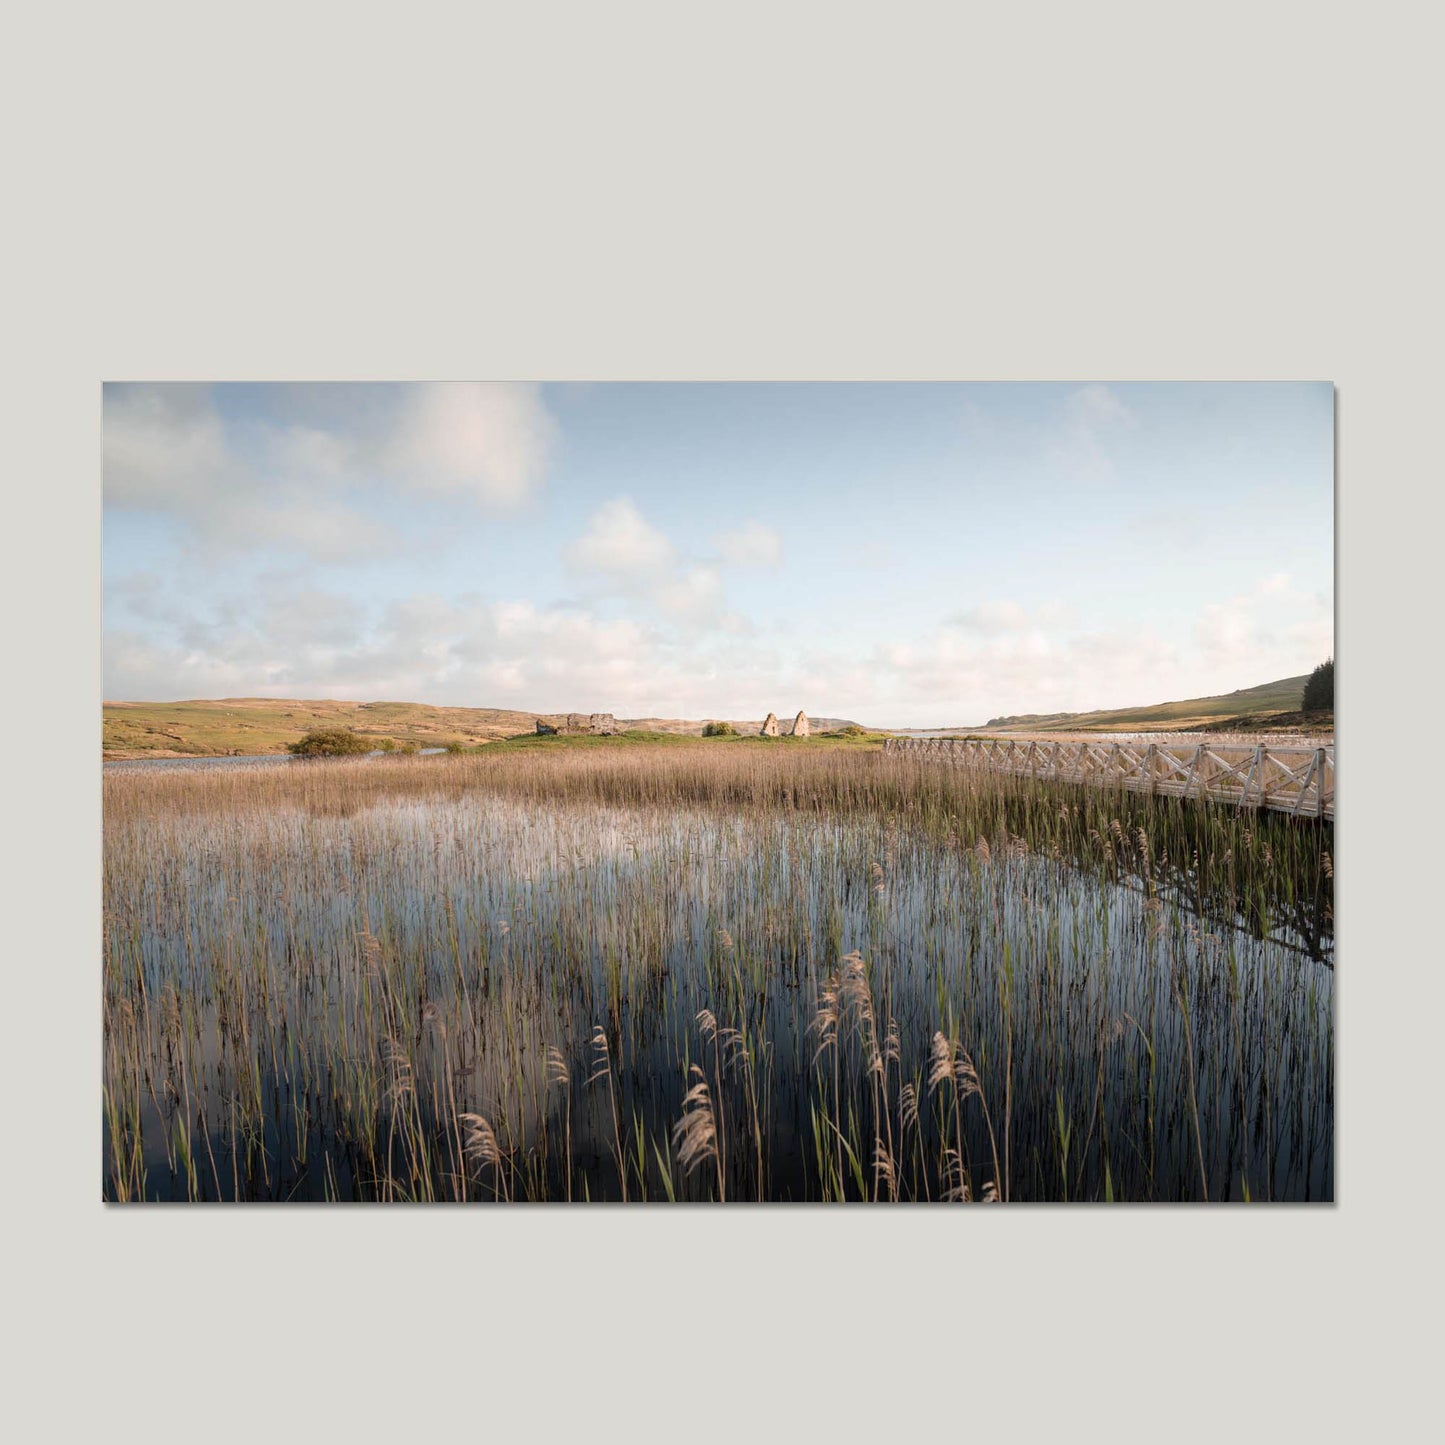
714	972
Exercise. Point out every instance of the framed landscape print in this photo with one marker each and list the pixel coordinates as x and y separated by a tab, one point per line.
718	793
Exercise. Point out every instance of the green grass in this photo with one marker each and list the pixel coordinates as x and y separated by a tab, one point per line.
584	742
569	742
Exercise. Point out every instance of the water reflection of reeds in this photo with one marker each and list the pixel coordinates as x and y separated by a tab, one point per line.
707	973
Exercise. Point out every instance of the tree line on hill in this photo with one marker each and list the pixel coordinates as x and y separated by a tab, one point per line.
1319	693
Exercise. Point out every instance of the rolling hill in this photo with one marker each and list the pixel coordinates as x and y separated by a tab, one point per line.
212	728
207	728
1269	704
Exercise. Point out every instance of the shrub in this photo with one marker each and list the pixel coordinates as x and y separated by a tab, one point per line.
454	746
329	743
719	730
853	731
1320	689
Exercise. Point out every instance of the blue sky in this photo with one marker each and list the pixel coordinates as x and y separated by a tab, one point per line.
905	555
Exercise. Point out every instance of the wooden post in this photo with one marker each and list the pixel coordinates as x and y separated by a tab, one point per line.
1193	768
1304	784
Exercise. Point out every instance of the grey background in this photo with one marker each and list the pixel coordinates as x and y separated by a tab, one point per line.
667	191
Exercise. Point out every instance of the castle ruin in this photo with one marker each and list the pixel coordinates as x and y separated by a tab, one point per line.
770	728
597	724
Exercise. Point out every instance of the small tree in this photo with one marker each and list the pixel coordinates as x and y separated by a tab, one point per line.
329	743
1320	689
719	730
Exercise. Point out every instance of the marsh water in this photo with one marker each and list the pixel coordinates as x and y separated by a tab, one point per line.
313	1002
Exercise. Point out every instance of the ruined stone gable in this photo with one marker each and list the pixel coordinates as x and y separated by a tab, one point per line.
800	724
603	724
770	726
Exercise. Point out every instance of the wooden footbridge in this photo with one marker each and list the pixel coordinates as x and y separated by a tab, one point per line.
1293	778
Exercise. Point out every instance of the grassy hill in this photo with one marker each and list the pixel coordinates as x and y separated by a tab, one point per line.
1271	704
208	728
265	725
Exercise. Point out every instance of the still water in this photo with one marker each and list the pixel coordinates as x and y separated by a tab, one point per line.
307	1004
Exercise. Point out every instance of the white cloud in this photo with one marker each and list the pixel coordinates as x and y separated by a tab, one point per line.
1095	417
622	547
489	441
1275	631
423	649
291	639
307	454
751	545
1097	408
695	597
1000	658
991	617
623	555
314	479
959	681
308	480
163	446
166	450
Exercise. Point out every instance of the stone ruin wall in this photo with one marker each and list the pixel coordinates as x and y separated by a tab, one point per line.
770	728
598	724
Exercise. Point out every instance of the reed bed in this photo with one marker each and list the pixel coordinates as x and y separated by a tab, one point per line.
723	972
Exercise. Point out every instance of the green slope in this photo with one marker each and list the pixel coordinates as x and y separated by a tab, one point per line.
1269	699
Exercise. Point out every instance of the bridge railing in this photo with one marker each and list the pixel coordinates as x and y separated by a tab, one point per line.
1290	779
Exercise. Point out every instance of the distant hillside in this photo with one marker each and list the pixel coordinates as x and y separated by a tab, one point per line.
1270	704
202	728
208	728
